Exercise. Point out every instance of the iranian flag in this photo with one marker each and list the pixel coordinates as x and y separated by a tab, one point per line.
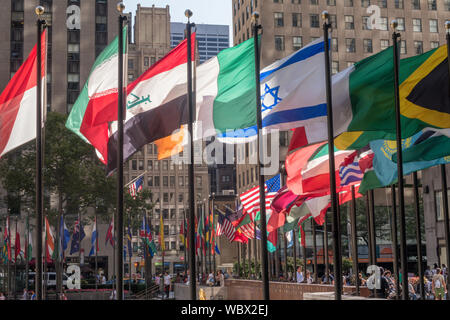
96	105
18	102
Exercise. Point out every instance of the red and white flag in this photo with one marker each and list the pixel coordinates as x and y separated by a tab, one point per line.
18	102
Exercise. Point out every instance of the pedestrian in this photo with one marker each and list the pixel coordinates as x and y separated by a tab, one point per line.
211	280
300	277
167	283
113	295
25	294
2	297
309	279
438	285
412	292
383	292
103	279
434	270
33	295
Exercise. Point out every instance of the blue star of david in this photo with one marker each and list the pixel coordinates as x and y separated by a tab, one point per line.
272	92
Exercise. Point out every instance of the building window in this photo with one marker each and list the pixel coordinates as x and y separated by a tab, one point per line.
172	181
181	181
365	24
350	44
349	23
418	47
433	25
165	181
401	24
279	20
297	43
447	5
334	45
314	2
350	63
365	3
198	181
296	19
331	2
384	44
334	67
141	164
402	46
440	204
382	3
415	4
384	23
133	164
398	4
165	165
279	43
434	44
157	181
101	26
432	5
417	25
367	44
314	20
150	181
348	3
277	1
333	21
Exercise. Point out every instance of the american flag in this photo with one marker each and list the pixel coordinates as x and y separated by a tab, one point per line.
225	227
250	199
136	186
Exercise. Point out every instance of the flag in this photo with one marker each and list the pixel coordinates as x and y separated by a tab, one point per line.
77	236
234	216
110	233
290	238
246	226
94	243
65	234
16	246
157	106
97	103
129	239
7	241
199	235
18	101
225	227
149	239
50	240
225	90
349	171
424	92
384	170
182	234
136	187
290	97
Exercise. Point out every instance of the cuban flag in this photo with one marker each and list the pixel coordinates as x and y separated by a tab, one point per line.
94	242
136	186
292	96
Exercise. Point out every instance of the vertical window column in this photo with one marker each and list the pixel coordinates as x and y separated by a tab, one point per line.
101	26
17	20
73	62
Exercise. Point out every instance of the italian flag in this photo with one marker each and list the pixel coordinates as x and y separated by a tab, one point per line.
225	94
18	101
96	105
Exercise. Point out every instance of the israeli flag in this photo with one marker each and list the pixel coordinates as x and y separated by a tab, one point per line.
292	94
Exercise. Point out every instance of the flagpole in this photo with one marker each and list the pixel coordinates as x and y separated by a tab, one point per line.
304	258
185	234
354	240
39	203
147	279
394	241
326	255
79	246
192	283
373	225
96	254
334	206
26	249
295	255
403	252
239	259
369	229
45	260
57	261
129	254
418	236
444	180
313	227
262	196
120	117
215	239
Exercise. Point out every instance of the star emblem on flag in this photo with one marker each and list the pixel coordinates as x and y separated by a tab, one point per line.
270	95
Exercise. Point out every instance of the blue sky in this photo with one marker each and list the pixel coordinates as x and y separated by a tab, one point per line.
205	11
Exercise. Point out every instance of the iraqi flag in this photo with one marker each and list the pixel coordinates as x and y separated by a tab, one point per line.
18	102
157	107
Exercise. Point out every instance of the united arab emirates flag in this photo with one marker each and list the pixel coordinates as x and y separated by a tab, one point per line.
370	106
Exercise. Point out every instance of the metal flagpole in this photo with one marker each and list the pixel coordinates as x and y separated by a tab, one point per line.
444	180
313	227
277	256
327	259
403	252
39	201
192	283
215	238
394	241
334	206
27	240
15	263
120	117
79	245
369	229
294	254
255	253
262	196
418	236
354	239
373	225
239	259
59	248
129	260
285	256
304	259
96	254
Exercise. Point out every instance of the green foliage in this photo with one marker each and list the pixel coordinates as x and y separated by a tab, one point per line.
346	264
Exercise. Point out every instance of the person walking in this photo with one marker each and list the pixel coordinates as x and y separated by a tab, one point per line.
25	294
438	285
167	282
2	296
300	277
